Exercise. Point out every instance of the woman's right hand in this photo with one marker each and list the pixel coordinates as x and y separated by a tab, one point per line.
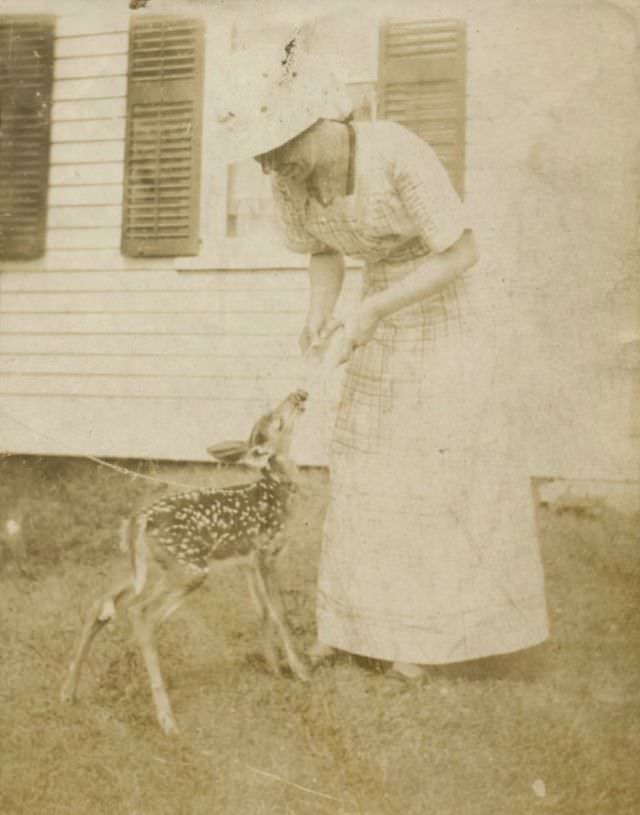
308	336
326	272
316	331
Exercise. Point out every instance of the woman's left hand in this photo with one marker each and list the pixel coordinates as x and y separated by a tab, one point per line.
359	328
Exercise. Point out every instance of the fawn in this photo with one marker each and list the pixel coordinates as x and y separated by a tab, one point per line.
173	542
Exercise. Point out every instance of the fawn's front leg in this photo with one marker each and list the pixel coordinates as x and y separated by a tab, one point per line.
269	590
268	643
146	615
143	631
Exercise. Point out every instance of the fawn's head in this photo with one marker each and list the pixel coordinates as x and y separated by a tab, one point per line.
269	442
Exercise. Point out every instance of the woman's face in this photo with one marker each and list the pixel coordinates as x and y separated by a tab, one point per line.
294	160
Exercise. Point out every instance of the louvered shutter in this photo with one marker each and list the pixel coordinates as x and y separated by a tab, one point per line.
164	122
422	85
26	79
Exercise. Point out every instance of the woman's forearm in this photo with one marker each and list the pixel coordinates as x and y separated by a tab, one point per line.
437	272
326	275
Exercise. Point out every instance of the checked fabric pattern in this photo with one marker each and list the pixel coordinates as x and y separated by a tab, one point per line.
429	552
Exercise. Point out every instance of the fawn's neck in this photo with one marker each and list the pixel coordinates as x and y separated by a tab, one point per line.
277	486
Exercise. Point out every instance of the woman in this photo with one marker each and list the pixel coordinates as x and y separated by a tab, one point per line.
429	553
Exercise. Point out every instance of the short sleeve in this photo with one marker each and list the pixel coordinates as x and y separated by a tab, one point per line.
290	214
426	190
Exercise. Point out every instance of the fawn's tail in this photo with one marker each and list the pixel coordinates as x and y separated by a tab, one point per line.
132	540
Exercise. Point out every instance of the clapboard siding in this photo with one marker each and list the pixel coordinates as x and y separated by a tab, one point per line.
91	339
79	216
207	366
80	239
87	139
87	130
104	44
185	301
79	110
80	173
110	87
167	344
157	280
202	322
109	355
157	387
96	152
86	194
90	67
98	24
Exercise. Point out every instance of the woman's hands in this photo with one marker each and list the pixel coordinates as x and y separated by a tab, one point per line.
316	331
326	274
356	331
359	328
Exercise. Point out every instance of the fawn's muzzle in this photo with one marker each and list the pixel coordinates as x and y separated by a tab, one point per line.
298	398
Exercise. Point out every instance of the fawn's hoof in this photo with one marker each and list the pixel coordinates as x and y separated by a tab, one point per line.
67	694
274	666
320	653
299	667
302	673
168	725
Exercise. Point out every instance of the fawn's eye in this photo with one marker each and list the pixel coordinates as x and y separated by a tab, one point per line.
259	453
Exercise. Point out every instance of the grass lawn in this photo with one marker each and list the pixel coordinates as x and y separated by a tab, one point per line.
553	730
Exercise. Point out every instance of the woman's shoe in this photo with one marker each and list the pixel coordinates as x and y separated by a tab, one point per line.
407	672
320	653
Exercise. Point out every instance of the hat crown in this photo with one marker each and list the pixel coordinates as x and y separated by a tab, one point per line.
268	96
253	83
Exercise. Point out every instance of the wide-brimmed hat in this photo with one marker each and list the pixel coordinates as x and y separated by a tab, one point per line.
268	96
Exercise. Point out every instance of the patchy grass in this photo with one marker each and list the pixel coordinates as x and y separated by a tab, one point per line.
553	730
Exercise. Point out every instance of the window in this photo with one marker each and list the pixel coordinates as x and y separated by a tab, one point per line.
411	71
249	203
26	78
164	122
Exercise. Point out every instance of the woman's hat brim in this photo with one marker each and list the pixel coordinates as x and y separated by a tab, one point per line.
265	101
244	143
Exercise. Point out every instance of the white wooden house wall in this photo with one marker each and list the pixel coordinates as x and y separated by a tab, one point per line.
109	355
122	357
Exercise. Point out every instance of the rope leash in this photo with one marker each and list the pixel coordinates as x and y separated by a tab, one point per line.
320	361
95	459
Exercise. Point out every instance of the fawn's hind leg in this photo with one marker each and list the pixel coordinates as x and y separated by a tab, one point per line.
100	613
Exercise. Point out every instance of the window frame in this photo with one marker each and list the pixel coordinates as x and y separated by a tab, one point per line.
218	251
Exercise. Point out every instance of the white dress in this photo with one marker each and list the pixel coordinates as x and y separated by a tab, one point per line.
430	552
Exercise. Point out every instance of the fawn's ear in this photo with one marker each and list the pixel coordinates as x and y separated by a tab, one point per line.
228	451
